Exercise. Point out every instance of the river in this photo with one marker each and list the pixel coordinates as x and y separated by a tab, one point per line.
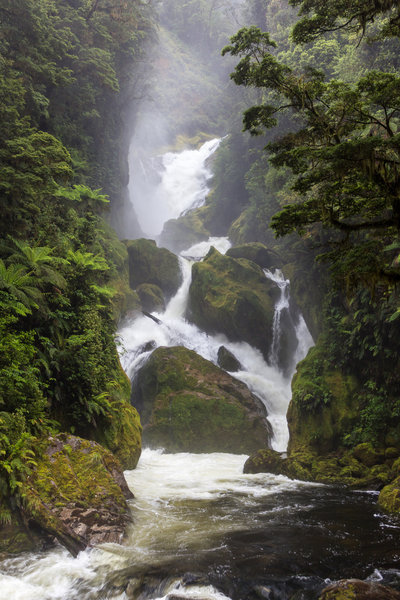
201	528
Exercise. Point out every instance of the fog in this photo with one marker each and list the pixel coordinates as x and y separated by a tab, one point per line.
188	100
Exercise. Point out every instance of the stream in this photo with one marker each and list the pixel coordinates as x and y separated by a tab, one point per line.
201	528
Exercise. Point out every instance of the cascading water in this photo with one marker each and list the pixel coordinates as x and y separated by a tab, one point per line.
282	304
165	187
201	528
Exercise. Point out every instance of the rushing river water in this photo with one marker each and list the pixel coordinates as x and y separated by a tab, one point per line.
201	528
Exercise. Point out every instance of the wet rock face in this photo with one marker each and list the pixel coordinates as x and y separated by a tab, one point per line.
77	493
258	253
227	360
151	297
233	296
182	233
187	404
355	589
150	264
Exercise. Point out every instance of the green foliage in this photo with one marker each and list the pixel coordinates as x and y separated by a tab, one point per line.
66	68
313	394
322	16
16	458
343	149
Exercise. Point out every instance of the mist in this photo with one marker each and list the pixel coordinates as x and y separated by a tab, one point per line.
187	103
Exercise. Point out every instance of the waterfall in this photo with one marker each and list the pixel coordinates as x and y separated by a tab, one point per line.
165	187
281	305
183	180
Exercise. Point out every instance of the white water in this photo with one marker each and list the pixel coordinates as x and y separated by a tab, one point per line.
183	185
266	381
183	504
282	303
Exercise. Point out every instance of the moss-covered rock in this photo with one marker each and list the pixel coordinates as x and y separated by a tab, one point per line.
389	497
187	404
124	300
355	589
257	253
151	297
17	537
265	460
76	493
324	406
368	455
334	468
182	233
150	264
233	296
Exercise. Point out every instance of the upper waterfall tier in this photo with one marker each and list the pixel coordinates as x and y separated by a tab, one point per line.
164	187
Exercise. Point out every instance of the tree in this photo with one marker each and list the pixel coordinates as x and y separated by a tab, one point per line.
322	16
345	152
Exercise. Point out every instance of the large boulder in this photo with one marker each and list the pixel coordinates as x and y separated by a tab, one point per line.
182	233
258	253
187	404
233	296
76	493
389	497
150	264
227	360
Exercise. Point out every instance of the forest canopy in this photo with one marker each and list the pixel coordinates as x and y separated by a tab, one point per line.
343	146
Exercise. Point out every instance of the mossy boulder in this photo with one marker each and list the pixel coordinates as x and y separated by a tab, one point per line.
356	589
339	468
150	264
368	455
124	300
257	253
265	460
151	297
187	404
182	233
227	360
325	404
76	493
233	296
16	537
389	497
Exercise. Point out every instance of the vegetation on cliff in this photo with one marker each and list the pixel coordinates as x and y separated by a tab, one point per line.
66	73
